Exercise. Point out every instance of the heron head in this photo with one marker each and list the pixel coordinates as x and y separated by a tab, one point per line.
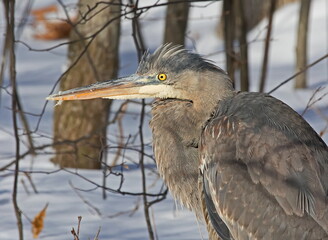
170	72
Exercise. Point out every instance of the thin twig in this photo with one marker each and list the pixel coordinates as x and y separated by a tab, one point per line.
79	218
25	124
119	191
300	72
25	187
84	200
71	142
138	40
97	235
31	182
77	234
3	61
120	137
10	19
76	237
312	100
6	52
130	212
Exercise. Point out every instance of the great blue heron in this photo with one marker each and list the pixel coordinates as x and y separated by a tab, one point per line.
245	162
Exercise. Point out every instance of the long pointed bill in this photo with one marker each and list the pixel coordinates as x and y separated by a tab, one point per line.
134	86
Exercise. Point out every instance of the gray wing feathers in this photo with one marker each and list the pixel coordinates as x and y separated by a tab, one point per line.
215	219
259	143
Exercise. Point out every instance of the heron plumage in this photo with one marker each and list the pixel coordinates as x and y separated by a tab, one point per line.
265	187
246	163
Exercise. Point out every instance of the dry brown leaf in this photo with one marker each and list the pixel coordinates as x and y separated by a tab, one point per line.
52	28
37	224
40	13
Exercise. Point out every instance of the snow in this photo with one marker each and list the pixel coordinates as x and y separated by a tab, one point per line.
69	195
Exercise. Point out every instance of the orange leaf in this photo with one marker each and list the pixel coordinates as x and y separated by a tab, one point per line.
37	224
47	29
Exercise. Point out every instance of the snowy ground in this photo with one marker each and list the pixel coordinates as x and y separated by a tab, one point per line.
37	72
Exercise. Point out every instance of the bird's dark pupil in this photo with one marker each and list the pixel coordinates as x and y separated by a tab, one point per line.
161	77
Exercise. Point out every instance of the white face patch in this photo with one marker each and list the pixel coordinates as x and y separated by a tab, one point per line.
123	97
158	91
143	80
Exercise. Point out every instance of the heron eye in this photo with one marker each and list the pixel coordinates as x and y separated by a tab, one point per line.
161	77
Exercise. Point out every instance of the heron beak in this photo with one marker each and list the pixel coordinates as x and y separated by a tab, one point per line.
131	87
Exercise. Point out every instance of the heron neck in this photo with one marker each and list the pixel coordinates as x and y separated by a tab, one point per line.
176	127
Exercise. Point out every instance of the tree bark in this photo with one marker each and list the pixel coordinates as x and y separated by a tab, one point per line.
255	11
241	25
301	45
229	26
83	123
176	22
266	47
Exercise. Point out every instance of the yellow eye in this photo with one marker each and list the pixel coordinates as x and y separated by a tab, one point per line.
161	77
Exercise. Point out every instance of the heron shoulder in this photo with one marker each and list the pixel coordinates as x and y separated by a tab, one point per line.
259	109
274	122
277	147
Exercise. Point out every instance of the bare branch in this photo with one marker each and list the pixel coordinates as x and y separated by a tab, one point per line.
296	74
84	201
314	100
10	21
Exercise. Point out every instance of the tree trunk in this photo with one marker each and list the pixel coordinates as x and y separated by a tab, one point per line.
266	47
255	11
301	45
83	123
241	25
229	28
176	22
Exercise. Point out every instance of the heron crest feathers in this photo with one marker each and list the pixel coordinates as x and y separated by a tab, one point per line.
176	59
